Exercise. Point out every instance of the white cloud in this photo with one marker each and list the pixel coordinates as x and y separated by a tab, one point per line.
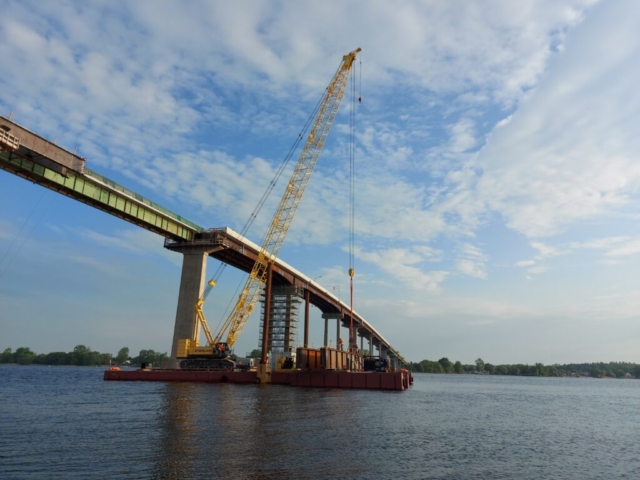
525	263
429	253
630	247
570	151
472	261
538	269
403	265
600	243
546	251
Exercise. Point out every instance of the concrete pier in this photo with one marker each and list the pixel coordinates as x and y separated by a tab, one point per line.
192	280
330	316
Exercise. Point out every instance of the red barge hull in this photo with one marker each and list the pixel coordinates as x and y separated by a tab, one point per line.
400	380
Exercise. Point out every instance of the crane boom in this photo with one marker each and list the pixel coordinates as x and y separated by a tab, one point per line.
283	217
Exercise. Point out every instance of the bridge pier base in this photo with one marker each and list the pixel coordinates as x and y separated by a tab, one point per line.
326	332
330	316
194	269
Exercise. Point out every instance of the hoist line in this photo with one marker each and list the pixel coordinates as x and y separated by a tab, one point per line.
352	342
263	199
265	195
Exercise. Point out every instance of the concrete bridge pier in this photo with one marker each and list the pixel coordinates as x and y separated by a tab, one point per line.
326	331
307	302
357	329
192	280
331	316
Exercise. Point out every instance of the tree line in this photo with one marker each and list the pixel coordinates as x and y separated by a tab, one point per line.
598	369
81	355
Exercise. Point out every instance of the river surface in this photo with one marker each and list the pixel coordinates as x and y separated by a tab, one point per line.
66	422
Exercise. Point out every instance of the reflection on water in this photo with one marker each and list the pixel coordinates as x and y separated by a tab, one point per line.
231	431
69	423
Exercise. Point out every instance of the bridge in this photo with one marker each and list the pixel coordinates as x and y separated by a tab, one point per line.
38	160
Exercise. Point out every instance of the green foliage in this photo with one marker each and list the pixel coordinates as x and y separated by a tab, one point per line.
7	356
447	365
81	355
597	370
123	355
256	353
23	356
149	356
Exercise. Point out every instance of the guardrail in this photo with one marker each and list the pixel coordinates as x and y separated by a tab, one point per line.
8	141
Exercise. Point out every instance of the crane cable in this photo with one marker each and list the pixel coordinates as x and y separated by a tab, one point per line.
303	132
214	279
353	344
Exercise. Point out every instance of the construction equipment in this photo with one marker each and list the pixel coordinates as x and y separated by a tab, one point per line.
217	350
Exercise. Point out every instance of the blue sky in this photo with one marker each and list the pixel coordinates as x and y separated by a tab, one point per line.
496	159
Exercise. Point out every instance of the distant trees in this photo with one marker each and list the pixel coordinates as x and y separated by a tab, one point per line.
428	366
81	355
149	356
447	365
6	356
23	356
596	370
123	355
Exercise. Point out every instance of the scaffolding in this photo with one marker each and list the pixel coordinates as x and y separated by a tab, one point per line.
283	318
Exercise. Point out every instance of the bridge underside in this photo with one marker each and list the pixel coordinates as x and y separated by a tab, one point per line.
229	247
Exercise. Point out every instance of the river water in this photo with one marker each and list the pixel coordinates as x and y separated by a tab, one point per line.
66	422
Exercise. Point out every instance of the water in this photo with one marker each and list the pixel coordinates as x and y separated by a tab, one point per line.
66	422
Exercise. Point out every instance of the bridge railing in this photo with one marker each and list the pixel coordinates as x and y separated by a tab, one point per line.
140	198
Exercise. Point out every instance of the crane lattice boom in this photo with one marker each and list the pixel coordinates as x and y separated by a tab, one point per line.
281	222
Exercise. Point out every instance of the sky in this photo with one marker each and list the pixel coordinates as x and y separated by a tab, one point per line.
496	168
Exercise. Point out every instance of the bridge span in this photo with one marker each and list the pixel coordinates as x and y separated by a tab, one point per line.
230	247
30	156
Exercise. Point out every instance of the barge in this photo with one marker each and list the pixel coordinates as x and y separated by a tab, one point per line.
321	368
398	380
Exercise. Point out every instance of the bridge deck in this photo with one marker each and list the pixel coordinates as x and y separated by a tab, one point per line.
46	164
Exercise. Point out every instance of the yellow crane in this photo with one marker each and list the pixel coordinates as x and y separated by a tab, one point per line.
274	238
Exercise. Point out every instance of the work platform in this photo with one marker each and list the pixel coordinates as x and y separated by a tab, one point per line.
399	380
